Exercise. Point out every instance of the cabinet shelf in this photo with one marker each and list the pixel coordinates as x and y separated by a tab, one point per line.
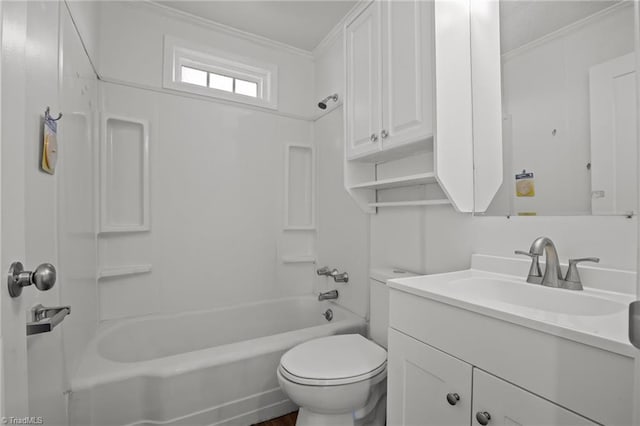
417	179
411	203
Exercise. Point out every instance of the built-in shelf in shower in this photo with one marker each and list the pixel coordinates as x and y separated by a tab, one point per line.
299	259
120	271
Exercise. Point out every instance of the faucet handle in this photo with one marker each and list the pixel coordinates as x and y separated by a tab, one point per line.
535	273
572	273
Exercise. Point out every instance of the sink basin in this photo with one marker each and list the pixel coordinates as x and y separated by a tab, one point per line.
533	296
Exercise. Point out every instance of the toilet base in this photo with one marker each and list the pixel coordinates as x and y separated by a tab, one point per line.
375	417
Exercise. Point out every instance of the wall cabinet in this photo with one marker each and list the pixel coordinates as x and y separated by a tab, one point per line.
389	68
429	387
403	61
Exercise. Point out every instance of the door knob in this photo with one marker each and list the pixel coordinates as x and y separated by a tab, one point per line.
384	134
43	277
373	137
483	417
453	398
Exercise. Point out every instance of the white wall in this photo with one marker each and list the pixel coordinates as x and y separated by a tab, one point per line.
217	173
545	87
131	50
343	229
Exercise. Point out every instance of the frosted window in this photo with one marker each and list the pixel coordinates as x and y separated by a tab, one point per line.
220	82
194	76
247	88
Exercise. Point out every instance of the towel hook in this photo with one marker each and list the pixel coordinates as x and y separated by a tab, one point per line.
47	115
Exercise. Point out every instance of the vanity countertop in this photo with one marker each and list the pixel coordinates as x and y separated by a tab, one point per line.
593	316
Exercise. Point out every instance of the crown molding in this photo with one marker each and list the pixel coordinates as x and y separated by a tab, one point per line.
225	29
566	29
337	30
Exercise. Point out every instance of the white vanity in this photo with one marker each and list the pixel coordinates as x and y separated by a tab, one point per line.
483	346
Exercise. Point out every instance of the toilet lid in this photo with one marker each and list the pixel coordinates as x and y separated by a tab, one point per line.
345	358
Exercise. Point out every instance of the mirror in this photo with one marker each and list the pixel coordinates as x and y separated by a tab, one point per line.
569	136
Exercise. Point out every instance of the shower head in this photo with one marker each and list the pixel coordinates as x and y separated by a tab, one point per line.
323	103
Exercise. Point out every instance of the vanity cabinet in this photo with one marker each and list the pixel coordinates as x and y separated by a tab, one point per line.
429	387
389	69
520	375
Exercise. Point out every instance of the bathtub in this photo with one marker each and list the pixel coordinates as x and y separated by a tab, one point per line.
213	367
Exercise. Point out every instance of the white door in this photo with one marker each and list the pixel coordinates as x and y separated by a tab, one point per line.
33	368
407	72
612	89
425	386
12	202
497	403
362	124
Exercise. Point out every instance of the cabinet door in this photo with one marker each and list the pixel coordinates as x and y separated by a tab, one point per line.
363	117
510	405
419	381
407	58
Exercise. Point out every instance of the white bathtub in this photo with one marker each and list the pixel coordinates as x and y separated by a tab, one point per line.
201	368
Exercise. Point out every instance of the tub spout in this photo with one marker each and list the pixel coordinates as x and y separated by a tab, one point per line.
329	295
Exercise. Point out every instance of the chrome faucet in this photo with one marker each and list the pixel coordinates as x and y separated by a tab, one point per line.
337	276
552	273
329	295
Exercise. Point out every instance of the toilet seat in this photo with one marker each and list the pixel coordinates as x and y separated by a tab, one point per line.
334	360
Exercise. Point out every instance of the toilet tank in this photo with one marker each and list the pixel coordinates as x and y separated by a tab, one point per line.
379	302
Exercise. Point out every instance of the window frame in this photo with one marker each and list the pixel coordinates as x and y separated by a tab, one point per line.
179	53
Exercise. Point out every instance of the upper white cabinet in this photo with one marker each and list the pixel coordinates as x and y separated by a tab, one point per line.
389	51
363	83
408	105
407	73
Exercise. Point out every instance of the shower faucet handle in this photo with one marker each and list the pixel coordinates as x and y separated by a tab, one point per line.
326	271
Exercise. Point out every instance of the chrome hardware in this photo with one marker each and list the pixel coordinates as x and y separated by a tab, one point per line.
483	417
326	271
373	137
329	295
384	134
341	278
535	273
453	398
634	323
44	319
44	277
328	314
552	273
572	280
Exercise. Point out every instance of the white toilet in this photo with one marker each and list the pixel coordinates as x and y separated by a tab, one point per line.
342	380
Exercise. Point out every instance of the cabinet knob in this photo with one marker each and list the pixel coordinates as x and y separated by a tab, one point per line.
453	398
483	417
384	134
373	137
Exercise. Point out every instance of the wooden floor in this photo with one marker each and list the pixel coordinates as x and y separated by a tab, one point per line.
286	420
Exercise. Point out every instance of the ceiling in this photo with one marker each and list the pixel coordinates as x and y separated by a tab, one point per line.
523	21
301	23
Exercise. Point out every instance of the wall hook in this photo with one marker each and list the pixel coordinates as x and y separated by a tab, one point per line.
47	115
